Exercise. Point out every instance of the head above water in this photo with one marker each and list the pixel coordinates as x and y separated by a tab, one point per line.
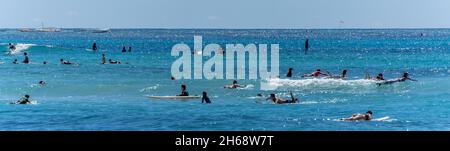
235	82
369	112
27	96
344	72
405	75
272	95
45	62
318	70
380	75
61	60
25	53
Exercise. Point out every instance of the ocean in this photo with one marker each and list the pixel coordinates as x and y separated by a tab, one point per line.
89	96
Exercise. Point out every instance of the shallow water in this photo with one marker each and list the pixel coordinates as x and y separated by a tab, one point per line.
90	96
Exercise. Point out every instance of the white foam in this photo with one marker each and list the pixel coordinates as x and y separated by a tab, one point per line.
149	88
19	48
317	83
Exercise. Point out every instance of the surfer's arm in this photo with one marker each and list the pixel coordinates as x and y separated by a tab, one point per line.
412	79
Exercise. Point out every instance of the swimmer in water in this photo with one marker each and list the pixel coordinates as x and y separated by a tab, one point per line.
129	49
404	78
173	78
15	61
24	100
11	47
66	62
103	60
235	85
45	62
342	76
290	74
360	117
184	91
26	60
315	74
124	49
277	100
205	98
380	77
42	83
94	46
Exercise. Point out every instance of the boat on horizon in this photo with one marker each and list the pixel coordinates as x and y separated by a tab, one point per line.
47	29
103	30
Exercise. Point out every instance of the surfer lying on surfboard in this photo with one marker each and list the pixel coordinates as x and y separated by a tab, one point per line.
66	62
277	100
235	85
404	78
24	100
360	117
342	76
315	74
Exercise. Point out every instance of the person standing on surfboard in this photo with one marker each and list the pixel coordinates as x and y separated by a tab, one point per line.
183	91
205	98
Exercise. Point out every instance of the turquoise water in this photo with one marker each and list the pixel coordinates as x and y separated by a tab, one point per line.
90	96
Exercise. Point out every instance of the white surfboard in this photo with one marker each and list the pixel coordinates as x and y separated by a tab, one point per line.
175	97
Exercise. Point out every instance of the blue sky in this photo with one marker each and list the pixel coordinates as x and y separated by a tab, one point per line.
226	13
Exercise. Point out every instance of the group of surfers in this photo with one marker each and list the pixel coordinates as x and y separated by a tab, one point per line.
380	77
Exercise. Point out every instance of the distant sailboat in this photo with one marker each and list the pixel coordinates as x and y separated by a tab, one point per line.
26	30
104	30
48	29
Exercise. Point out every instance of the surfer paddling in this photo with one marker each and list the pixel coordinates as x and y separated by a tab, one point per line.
278	100
404	78
65	62
360	117
24	100
315	74
235	85
342	76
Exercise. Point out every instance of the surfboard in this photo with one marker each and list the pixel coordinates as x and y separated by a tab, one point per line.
32	102
175	97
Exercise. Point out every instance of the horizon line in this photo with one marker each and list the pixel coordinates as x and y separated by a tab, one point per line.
213	28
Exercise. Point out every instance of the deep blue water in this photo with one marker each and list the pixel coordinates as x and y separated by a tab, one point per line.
90	96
